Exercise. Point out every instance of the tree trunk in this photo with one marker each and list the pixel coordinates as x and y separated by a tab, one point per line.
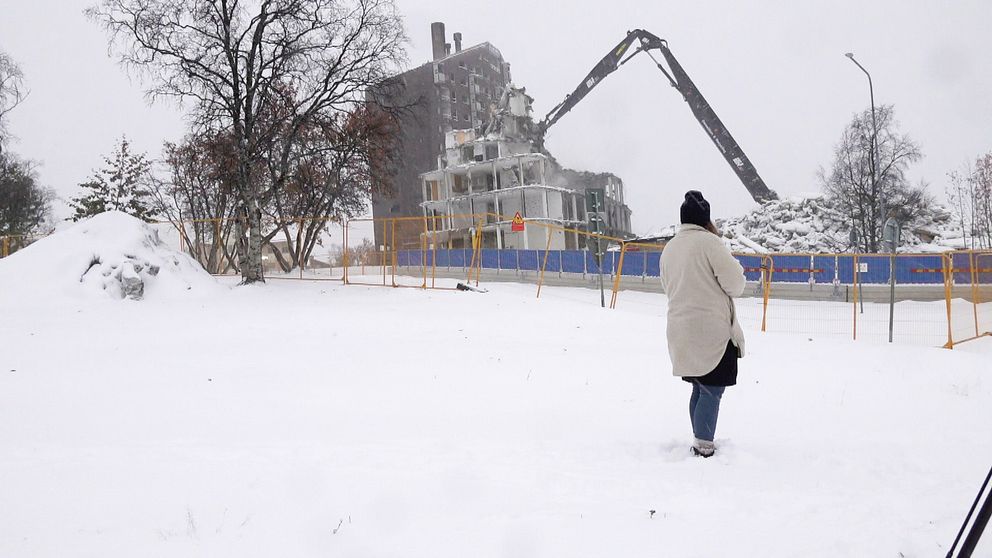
251	270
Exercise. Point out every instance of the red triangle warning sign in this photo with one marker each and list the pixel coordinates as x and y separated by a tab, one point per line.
518	223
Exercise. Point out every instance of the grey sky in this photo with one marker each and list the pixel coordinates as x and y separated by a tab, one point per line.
773	70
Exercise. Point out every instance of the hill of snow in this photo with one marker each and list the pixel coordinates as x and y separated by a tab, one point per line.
111	255
810	223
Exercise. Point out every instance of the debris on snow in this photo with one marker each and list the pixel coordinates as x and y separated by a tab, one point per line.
811	223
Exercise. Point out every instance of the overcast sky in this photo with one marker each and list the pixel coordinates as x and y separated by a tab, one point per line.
774	71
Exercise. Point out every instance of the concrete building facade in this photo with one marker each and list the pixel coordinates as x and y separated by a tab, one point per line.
498	178
454	91
497	173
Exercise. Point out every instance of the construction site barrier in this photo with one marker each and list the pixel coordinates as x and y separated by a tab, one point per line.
943	299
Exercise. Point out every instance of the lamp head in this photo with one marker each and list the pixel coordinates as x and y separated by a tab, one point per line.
849	55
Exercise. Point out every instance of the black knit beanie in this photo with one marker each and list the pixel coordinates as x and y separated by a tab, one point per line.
695	209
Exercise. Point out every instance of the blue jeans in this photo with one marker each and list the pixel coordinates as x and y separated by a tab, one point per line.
704	408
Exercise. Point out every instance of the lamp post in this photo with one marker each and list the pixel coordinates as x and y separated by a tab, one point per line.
873	155
873	166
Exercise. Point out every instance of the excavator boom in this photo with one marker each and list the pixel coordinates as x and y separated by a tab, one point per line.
637	41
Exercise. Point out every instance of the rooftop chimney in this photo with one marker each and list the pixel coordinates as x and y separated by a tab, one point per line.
447	49
458	42
437	39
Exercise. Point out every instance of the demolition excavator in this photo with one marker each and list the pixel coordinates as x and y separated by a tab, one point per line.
642	41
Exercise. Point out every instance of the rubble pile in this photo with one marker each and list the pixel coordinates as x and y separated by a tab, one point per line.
811	223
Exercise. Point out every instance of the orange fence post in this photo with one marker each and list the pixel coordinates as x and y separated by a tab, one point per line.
6	246
218	247
766	287
948	265
382	256
392	258
423	254
974	288
471	265
619	273
434	259
857	278
344	252
547	250
478	269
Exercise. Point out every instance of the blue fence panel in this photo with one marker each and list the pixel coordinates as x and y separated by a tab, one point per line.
490	258
919	269
633	263
508	259
654	264
610	260
441	257
824	267
554	261
845	269
785	267
877	269
752	267
591	265
529	260
983	263
572	261
430	257
456	258
962	269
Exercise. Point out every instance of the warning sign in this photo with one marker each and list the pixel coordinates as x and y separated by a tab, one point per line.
518	223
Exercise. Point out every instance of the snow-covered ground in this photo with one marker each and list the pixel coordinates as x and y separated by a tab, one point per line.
314	419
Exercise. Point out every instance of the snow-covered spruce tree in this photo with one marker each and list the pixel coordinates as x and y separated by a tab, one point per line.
121	185
863	182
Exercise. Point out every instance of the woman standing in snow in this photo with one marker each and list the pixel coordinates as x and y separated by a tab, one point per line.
701	277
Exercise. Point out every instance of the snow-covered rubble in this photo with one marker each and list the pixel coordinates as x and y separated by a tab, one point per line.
810	223
110	255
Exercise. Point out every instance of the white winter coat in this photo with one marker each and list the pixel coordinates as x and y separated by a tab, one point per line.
701	277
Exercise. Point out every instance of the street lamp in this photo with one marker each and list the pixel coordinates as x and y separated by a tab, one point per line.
873	155
891	233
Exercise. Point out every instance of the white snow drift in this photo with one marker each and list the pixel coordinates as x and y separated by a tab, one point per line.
111	255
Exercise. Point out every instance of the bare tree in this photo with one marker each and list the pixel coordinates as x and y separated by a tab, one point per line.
337	163
870	189
982	201
197	197
970	193
12	91
960	192
257	70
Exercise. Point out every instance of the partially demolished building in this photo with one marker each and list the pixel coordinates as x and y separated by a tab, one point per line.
453	91
468	148
495	173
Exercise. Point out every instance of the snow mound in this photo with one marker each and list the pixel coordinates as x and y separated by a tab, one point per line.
111	255
811	223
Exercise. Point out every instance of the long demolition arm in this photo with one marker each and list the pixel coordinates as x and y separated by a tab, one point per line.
717	132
